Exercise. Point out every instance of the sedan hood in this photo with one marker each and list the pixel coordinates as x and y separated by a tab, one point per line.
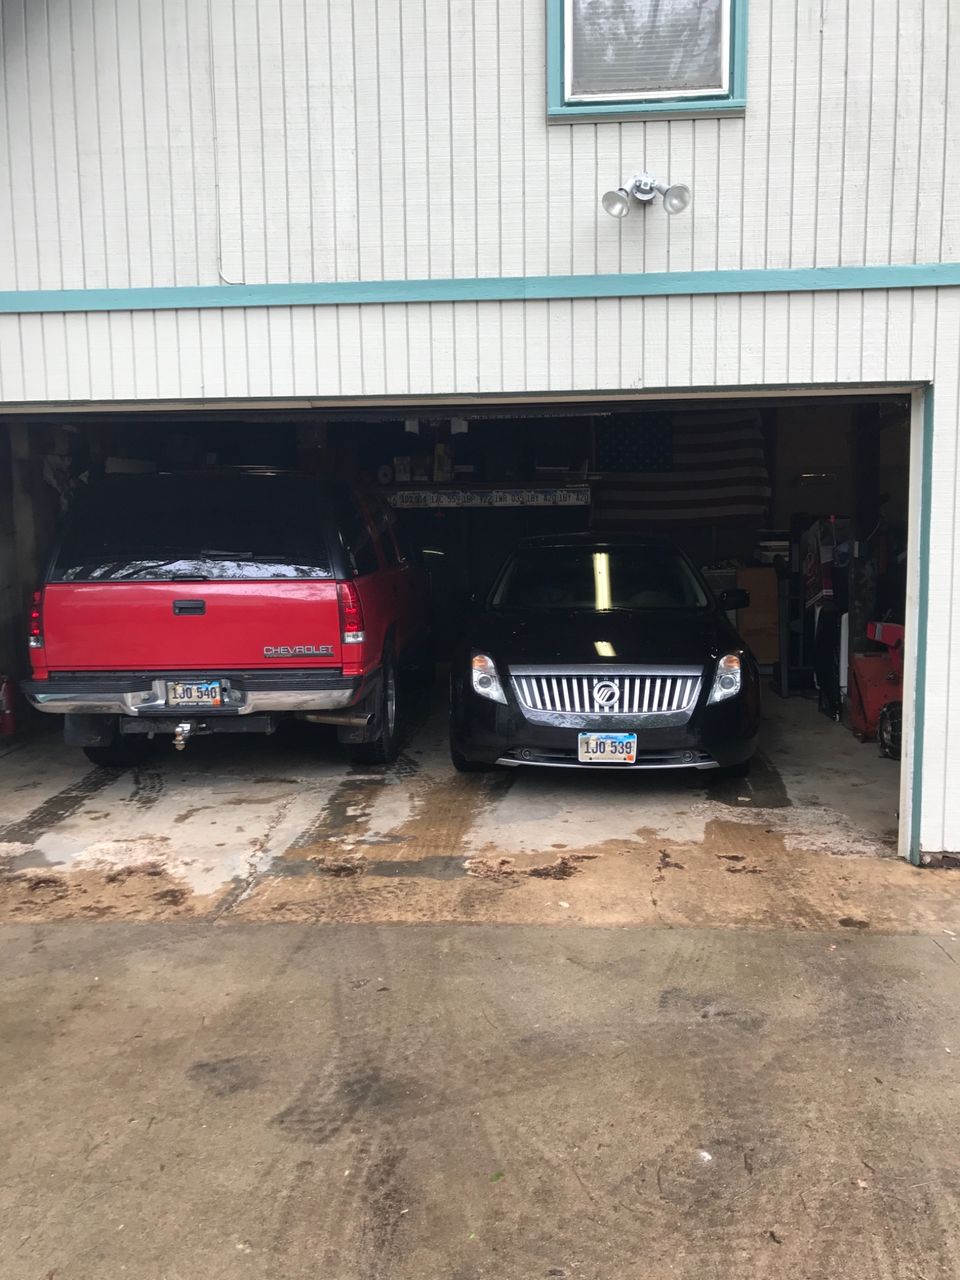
671	637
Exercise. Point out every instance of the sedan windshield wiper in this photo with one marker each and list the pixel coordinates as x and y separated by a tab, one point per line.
216	553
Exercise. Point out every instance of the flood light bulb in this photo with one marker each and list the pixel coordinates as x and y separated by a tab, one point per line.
616	203
676	198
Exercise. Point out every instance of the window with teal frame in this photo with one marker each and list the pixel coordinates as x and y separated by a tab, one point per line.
619	59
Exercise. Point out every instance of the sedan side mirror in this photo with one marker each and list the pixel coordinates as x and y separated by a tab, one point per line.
733	598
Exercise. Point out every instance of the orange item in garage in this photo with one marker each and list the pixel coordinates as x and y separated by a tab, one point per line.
759	623
873	683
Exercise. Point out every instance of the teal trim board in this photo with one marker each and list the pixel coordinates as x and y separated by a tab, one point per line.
560	110
657	284
738	51
923	604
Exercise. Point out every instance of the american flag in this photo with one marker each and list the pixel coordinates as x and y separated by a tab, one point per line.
657	469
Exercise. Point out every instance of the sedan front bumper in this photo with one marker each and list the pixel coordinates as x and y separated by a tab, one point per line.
716	736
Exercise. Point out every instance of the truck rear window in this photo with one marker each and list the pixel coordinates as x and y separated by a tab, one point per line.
163	528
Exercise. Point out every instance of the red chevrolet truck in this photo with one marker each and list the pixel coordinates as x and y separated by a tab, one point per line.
219	602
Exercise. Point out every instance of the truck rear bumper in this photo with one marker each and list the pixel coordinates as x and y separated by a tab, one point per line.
121	693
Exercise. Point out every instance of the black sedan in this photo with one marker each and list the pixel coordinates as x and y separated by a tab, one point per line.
604	652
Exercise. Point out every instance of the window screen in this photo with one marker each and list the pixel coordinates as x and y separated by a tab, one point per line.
636	49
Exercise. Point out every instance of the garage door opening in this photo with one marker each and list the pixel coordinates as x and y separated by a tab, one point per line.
800	502
803	505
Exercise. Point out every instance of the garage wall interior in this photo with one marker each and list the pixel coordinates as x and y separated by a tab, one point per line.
292	204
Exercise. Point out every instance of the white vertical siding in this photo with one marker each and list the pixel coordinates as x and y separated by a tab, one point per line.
374	138
467	348
422	349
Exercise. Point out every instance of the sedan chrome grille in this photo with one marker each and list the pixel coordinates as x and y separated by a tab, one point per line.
633	691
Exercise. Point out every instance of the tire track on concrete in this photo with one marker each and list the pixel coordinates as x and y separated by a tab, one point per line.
345	1112
57	808
258	863
428	842
148	788
346	810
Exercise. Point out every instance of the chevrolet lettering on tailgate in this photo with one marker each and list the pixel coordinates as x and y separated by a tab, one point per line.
297	650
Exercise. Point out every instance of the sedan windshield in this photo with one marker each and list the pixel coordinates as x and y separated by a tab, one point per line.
598	579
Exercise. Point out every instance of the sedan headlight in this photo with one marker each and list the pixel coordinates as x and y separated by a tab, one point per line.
486	682
727	681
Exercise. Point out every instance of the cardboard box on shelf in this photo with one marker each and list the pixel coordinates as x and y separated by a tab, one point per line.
759	624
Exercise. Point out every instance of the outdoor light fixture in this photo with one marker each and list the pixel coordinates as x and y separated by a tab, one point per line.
644	187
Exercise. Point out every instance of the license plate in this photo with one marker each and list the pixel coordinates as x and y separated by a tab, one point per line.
193	693
607	748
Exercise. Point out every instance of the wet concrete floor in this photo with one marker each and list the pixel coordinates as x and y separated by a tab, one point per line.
275	828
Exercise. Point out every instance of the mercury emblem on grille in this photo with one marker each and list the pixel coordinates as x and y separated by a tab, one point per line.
606	693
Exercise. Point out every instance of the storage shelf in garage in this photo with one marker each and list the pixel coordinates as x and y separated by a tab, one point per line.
433	496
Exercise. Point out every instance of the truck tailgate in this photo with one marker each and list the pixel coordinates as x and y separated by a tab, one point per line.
191	626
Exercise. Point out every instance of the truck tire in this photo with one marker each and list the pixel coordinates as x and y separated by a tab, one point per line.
384	747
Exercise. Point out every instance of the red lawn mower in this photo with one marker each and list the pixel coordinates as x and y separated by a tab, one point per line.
876	689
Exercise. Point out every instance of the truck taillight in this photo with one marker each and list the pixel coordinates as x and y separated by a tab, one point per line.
35	633
351	614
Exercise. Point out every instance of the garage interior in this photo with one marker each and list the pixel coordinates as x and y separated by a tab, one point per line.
801	501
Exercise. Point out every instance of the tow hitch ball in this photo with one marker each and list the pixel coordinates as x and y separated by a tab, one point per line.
181	734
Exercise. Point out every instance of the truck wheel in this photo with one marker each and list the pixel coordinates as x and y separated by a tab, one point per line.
384	747
122	753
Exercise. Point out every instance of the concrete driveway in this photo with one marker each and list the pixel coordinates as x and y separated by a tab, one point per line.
264	1015
362	1102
